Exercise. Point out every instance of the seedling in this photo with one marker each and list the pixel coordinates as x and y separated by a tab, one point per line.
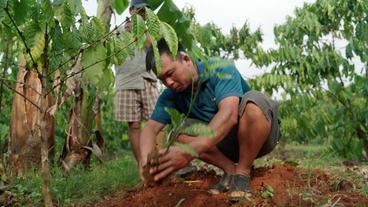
268	193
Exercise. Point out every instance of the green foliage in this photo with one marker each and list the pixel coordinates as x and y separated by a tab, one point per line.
306	59
170	37
268	192
153	24
95	71
120	5
199	129
112	176
138	27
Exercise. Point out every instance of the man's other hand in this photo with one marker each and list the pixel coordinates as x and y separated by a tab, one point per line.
174	159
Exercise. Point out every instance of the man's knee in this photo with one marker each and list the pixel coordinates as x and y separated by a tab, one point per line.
253	114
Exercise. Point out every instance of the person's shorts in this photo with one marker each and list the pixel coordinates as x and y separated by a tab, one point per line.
136	105
229	146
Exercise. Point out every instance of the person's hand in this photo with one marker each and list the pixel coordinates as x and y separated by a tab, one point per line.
174	159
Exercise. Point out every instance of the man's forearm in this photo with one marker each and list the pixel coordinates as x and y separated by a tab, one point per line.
222	123
147	143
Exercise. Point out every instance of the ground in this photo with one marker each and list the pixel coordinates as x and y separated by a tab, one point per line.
282	184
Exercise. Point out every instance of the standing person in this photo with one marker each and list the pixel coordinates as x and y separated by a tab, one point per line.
244	121
136	89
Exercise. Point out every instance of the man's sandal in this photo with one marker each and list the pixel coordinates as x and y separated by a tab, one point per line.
222	186
240	188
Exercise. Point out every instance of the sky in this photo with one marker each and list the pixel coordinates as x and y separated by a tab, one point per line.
225	14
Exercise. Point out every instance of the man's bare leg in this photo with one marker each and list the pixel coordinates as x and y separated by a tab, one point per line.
254	129
213	156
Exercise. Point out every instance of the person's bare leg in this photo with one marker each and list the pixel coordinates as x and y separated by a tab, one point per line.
253	131
213	156
134	133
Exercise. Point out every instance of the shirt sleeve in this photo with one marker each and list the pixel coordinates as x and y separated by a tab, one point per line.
159	114
227	83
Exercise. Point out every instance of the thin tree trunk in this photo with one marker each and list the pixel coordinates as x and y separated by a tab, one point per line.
45	171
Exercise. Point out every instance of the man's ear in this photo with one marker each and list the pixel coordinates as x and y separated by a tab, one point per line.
185	56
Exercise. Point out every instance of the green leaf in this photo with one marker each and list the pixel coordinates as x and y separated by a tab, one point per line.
349	51
153	24
188	149
37	49
170	37
4	130
156	55
93	74
199	129
154	4
47	12
107	80
21	10
176	117
2	5
120	5
67	18
121	49
138	27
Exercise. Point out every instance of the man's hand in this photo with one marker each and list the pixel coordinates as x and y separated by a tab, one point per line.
175	159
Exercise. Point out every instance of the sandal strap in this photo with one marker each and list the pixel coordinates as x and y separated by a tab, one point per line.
224	183
240	183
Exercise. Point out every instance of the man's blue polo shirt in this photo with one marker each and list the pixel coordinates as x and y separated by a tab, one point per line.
212	90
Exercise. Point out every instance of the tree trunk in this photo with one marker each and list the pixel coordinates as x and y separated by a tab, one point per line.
45	170
24	140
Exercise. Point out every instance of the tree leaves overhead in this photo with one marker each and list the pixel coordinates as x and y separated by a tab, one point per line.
153	24
170	37
138	26
92	31
121	48
94	64
21	10
120	5
170	14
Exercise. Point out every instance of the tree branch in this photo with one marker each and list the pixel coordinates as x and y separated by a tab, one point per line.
26	85
15	91
88	46
85	68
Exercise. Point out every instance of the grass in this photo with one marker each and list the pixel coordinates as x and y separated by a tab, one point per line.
80	186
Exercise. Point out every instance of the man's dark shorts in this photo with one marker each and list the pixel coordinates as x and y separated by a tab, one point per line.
229	146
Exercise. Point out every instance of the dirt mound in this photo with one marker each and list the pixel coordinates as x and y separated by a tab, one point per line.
279	185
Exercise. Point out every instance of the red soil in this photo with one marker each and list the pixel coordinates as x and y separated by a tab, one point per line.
290	186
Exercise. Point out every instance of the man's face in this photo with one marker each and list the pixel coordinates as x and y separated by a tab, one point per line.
176	75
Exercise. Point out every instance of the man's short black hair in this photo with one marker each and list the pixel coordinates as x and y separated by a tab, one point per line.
162	48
